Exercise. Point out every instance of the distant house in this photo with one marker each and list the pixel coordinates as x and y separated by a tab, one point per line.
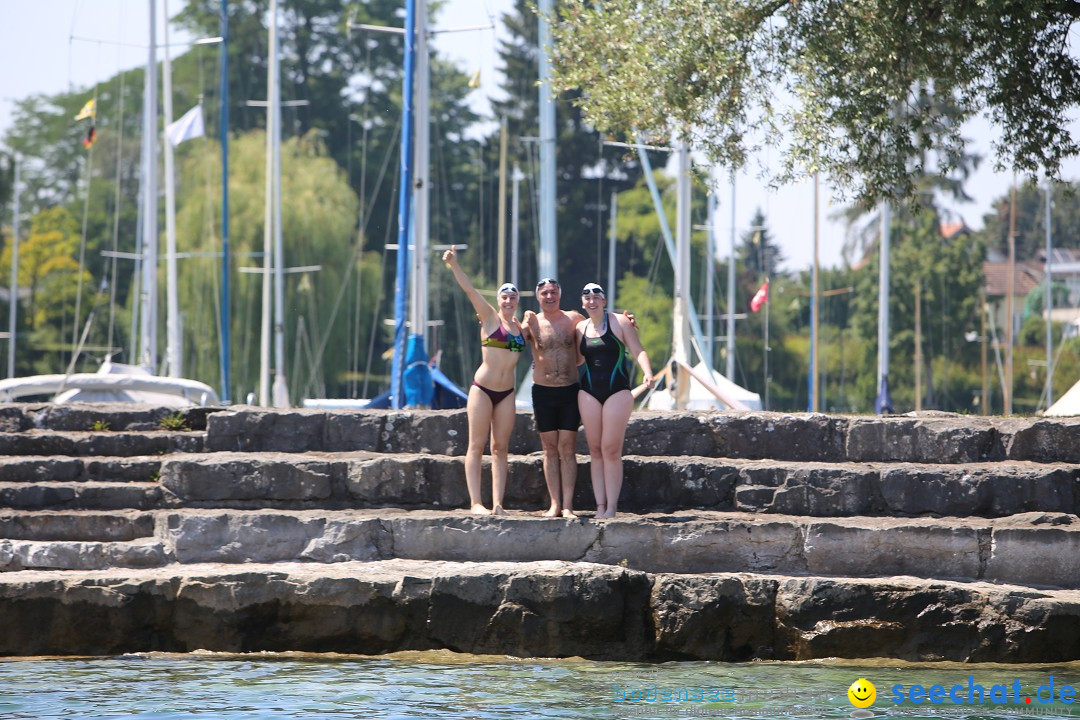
954	229
1028	275
1065	270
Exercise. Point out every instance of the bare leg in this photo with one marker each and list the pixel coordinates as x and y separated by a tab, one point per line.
568	469
549	441
616	416
591	413
502	425
478	410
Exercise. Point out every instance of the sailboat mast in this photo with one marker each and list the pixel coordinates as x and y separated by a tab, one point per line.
404	196
281	388
611	249
500	265
1048	302
710	278
883	308
681	340
226	344
172	304
268	211
515	233
148	318
418	315
548	264
730	359
13	288
815	295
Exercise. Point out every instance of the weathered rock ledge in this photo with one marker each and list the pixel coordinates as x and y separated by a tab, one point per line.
552	609
1034	549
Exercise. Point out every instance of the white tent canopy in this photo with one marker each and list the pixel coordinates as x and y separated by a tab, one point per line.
702	399
1067	404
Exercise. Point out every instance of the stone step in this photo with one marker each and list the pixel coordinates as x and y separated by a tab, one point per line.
80	555
91	443
1034	549
58	468
358	479
83	495
76	525
534	609
926	438
15	417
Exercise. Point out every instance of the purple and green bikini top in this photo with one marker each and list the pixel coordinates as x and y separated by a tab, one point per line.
504	340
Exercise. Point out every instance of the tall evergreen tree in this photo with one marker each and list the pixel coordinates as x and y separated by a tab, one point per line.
587	171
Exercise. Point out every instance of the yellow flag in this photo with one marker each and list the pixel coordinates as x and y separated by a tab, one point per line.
89	110
474	81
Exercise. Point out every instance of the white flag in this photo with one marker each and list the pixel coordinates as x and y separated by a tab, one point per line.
187	127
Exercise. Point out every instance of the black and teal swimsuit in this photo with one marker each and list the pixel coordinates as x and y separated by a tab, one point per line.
604	372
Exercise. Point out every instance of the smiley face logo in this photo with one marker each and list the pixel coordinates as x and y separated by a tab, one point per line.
862	693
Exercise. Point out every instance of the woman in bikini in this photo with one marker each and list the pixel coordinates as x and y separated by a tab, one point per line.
605	402
490	408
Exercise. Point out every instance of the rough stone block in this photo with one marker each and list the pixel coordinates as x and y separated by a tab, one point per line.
491	539
346	431
725	618
884	548
778	436
923	440
106	527
667	434
256	430
1043	550
272	537
233	478
817	490
657	484
405	481
1056	440
686	545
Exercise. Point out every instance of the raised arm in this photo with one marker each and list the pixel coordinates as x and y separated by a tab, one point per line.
530	327
633	344
483	308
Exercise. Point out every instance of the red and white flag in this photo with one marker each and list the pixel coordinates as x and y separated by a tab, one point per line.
760	297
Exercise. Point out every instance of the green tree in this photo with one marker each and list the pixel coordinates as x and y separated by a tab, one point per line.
760	256
825	79
1031	220
947	273
49	271
318	228
587	172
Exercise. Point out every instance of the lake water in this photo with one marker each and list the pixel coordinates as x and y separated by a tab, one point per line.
444	685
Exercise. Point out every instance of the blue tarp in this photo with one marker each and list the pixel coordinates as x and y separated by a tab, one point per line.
417	382
445	394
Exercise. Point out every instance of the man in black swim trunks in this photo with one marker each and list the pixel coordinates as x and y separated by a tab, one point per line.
555	389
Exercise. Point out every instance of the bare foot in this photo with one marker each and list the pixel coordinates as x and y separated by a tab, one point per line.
600	511
553	511
606	515
569	514
498	510
478	509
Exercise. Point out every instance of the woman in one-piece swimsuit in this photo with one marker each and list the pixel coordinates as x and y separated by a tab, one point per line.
605	340
490	407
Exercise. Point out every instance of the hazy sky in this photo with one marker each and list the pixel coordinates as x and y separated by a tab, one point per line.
43	50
